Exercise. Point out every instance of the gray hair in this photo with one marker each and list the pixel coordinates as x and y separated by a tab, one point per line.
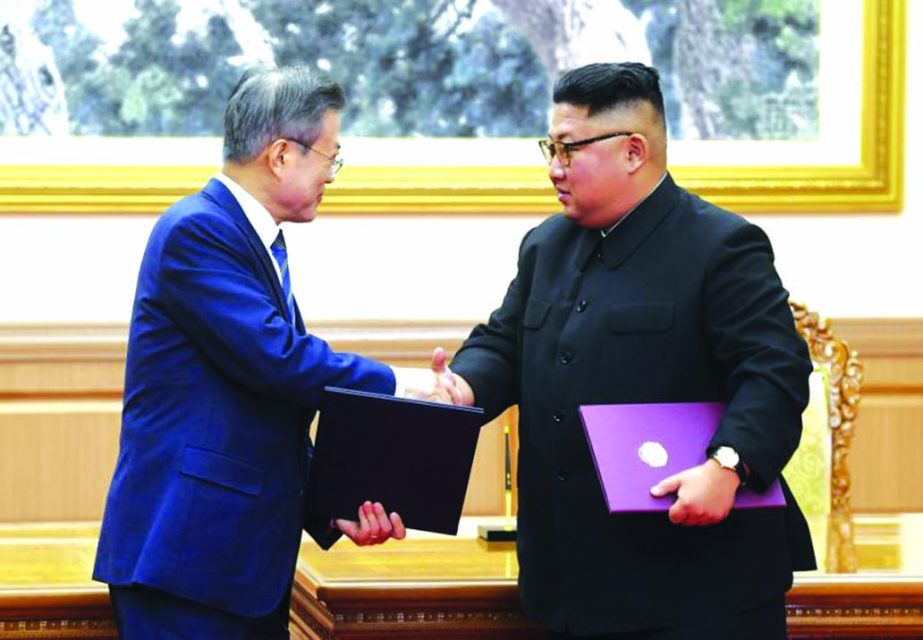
271	103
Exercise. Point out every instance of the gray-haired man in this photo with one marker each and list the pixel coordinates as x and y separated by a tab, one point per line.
205	512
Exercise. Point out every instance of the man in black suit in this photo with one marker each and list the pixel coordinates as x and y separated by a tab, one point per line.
642	292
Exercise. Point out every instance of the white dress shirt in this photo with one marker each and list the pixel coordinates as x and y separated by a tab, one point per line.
267	230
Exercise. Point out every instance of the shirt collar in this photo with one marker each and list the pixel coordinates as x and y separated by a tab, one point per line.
258	215
606	232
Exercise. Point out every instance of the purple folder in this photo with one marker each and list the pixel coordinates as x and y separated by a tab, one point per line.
637	445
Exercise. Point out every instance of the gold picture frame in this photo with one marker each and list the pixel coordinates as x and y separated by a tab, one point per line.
874	184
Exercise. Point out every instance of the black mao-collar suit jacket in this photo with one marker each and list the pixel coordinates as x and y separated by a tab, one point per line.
680	303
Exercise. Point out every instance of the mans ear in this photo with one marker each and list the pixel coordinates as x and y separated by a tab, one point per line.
277	156
638	148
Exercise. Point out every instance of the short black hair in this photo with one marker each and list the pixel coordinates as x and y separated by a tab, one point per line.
607	85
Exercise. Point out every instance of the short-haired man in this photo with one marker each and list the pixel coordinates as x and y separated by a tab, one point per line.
204	516
641	292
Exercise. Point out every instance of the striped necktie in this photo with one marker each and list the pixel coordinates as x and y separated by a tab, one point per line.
281	255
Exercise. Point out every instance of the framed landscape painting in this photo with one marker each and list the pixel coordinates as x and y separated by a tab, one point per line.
772	105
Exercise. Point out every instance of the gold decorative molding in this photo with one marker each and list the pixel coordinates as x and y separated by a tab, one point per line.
880	337
310	615
63	342
874	608
844	383
432	614
402	340
843	387
875	184
57	629
903	337
878	618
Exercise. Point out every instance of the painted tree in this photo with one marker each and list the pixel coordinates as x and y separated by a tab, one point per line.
704	60
570	33
410	67
253	40
416	67
729	68
32	98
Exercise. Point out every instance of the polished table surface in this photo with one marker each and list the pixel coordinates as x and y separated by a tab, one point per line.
438	586
871	582
888	547
45	585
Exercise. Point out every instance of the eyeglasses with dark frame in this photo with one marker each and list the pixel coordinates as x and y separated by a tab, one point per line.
335	162
551	149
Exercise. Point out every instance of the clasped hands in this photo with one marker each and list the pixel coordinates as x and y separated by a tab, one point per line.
436	384
704	494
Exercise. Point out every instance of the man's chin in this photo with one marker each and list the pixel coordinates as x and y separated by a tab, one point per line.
582	219
573	214
308	215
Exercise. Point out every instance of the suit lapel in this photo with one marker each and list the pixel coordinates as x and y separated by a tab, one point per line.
299	322
219	193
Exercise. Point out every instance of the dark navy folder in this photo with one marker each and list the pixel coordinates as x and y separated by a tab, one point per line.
412	456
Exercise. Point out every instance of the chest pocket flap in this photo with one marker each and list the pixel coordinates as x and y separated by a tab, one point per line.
641	318
535	314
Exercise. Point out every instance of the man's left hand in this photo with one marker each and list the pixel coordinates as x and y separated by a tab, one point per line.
374	525
704	494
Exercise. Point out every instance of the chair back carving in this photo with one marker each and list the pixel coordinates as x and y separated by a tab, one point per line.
844	379
841	371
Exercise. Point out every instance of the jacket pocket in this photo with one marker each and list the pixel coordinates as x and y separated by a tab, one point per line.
535	314
640	318
222	470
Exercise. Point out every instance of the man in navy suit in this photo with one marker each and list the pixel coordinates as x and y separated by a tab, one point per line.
204	515
642	292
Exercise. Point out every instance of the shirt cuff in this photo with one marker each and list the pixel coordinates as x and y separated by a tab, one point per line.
400	385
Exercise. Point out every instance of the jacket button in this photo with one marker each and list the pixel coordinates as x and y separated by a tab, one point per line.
566	357
581	306
558	416
562	475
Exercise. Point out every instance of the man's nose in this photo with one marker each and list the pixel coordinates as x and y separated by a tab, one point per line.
556	168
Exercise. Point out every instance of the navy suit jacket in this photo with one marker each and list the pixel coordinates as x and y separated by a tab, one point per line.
680	303
206	502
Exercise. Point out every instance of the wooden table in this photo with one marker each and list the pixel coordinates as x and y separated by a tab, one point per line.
451	588
45	585
445	588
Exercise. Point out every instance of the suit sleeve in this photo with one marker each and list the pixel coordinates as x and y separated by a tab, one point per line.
489	358
766	362
320	530
208	284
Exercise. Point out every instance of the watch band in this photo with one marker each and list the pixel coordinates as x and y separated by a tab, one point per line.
728	458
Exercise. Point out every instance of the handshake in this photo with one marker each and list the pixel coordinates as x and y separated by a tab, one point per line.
436	384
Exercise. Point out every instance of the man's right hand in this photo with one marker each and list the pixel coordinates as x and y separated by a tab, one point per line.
436	384
465	392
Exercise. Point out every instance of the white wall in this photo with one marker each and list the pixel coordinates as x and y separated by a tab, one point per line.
878	266
83	269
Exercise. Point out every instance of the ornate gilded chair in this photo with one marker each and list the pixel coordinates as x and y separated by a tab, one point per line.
818	473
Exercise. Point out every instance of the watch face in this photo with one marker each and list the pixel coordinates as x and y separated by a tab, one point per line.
727	457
